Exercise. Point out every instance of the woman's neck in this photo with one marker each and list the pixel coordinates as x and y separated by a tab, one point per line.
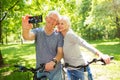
64	32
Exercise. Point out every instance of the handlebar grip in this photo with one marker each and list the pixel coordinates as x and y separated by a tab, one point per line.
21	68
111	57
16	66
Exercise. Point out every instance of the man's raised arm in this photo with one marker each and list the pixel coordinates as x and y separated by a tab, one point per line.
26	29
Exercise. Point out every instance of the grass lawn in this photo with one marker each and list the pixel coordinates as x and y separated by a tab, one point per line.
25	54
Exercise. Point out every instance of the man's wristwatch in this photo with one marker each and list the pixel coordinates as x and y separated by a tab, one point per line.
55	61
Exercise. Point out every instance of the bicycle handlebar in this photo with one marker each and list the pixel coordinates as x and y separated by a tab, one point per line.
101	60
24	69
94	60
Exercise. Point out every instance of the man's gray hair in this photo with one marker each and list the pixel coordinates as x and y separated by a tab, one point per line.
54	12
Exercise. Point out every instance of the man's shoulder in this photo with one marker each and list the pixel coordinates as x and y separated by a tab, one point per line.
57	33
37	30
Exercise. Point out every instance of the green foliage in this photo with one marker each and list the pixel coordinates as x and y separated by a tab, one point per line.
110	47
17	76
91	19
87	16
104	14
17	54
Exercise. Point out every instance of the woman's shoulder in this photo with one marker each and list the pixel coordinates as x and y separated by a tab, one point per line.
70	33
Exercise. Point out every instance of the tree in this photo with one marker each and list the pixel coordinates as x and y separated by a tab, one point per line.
116	10
1	19
106	14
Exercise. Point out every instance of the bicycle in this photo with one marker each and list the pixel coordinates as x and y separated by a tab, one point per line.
94	60
42	67
33	70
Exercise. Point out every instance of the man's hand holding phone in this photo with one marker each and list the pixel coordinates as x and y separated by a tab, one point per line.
25	23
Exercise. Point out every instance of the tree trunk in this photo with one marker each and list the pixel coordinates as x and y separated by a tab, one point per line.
1	59
118	27
1	19
1	42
